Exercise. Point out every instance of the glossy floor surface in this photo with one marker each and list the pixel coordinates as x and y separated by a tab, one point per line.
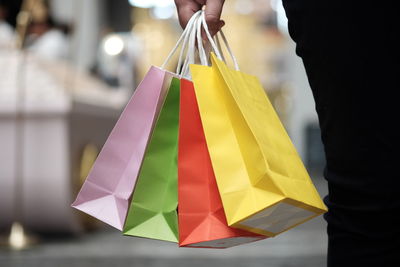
304	246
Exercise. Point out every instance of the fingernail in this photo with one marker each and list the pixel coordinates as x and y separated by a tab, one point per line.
221	24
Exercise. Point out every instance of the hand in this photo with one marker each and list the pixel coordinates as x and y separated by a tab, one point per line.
213	10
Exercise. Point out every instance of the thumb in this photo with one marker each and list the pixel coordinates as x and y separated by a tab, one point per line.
186	10
213	12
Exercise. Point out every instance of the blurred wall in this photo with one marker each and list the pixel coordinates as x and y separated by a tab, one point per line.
87	19
303	107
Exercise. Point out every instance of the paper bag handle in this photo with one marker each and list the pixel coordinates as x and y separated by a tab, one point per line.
215	47
183	38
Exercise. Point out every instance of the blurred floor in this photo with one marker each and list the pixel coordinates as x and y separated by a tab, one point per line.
304	246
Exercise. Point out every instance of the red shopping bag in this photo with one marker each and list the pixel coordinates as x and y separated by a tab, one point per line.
202	221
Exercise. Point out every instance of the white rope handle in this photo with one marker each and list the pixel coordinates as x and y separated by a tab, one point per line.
185	45
200	45
190	55
235	62
183	37
218	42
210	39
188	39
195	35
215	47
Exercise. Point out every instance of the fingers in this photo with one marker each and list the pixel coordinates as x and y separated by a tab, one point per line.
220	25
213	10
213	15
186	9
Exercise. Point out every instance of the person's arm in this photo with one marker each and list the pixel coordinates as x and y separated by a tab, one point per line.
213	10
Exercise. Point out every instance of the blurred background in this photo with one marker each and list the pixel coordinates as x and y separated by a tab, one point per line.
67	68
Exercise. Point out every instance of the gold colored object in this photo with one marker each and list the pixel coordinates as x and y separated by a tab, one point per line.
29	11
88	158
89	155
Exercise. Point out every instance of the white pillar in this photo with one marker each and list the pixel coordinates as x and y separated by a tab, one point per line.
86	18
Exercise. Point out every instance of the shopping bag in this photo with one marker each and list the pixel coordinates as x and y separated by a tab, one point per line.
106	191
152	213
261	179
202	221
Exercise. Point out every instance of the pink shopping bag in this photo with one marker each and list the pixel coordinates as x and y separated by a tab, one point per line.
106	191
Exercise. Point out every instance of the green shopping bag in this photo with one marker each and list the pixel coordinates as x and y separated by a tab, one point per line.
153	209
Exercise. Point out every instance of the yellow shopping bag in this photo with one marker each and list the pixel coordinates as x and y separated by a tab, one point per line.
262	181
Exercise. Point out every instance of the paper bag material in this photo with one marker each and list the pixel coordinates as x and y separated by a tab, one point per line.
153	210
202	221
106	191
262	181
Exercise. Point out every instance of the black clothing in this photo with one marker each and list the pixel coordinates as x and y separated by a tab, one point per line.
352	61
